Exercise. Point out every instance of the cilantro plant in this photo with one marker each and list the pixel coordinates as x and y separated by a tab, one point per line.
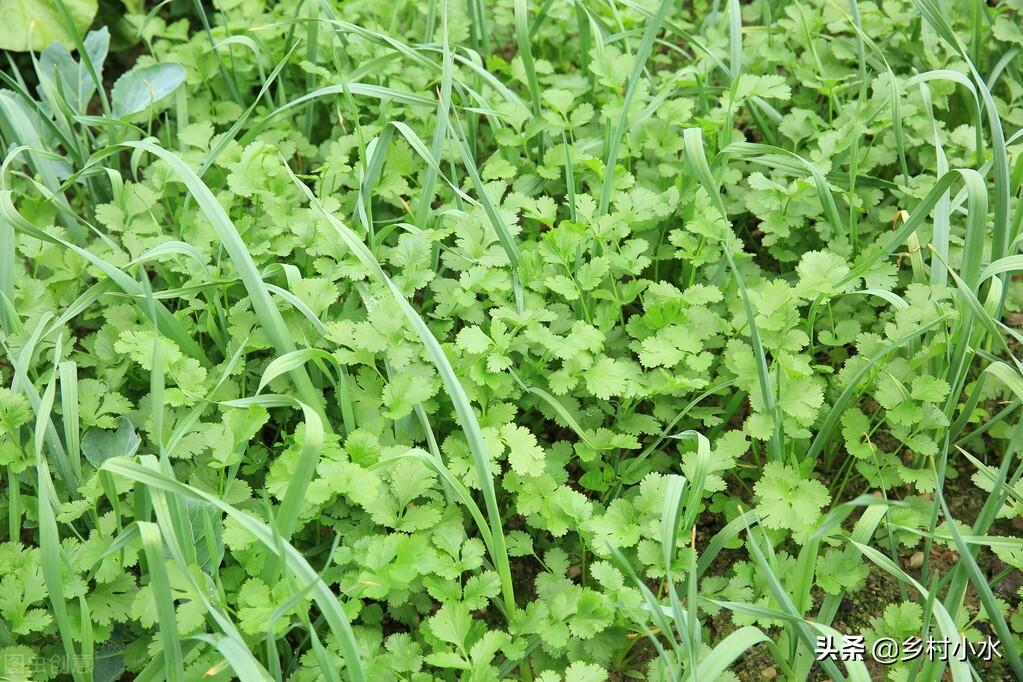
556	341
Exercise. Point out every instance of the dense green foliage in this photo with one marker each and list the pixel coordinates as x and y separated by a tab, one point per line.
564	340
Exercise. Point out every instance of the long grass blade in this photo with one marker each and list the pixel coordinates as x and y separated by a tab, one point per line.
466	415
292	558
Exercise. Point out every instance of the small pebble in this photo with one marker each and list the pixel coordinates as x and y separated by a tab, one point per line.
769	673
917	560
